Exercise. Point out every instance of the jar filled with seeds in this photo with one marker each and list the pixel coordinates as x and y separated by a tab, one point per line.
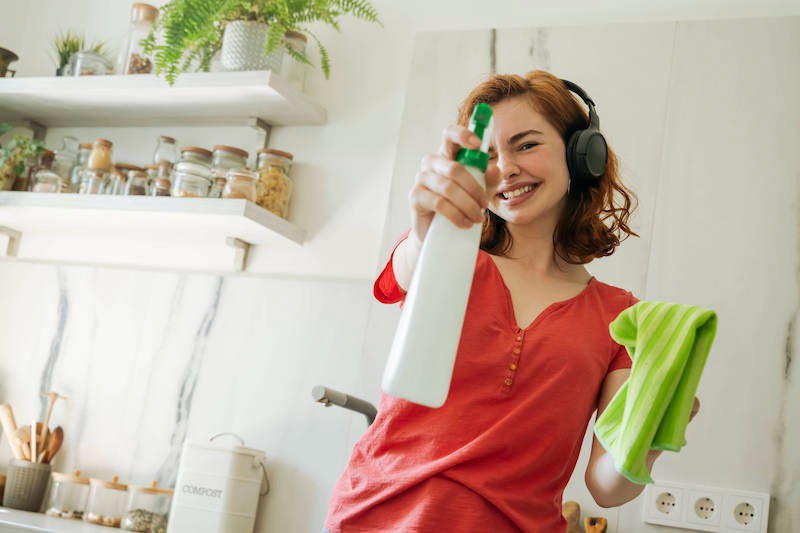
106	503
241	183
67	495
191	180
147	510
138	183
133	59
274	185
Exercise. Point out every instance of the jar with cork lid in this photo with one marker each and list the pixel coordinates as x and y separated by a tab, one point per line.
191	180
132	59
241	183
274	185
106	502
197	155
225	159
147	509
67	495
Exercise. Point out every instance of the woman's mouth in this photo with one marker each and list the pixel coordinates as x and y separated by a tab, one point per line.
518	196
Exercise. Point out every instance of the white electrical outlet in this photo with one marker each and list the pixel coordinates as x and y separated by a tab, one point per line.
703	508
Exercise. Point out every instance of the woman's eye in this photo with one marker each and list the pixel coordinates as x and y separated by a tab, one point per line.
528	146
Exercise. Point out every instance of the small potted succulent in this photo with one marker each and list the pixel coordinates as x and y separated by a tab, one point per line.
70	43
249	33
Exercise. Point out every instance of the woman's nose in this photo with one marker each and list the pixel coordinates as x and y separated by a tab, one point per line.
506	166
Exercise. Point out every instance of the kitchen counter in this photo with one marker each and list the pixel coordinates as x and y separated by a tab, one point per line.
12	520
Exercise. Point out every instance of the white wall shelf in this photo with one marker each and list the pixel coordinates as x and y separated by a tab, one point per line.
196	99
200	234
14	520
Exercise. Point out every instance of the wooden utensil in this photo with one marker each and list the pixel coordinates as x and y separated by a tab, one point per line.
10	429
56	438
53	396
24	439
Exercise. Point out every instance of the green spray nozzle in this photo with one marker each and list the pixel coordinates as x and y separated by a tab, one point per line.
481	125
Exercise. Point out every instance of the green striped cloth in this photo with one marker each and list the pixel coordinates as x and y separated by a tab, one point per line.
669	344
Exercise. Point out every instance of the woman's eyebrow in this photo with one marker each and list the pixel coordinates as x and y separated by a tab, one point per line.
517	136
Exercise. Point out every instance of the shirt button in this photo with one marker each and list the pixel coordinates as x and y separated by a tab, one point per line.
512	366
508	382
519	338
516	350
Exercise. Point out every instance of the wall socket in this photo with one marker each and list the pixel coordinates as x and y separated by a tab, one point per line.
703	508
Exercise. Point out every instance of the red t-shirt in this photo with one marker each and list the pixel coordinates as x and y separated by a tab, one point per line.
497	455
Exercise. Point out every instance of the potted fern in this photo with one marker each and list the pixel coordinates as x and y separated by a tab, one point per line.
250	33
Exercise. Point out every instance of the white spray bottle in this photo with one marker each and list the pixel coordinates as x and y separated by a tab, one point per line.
423	354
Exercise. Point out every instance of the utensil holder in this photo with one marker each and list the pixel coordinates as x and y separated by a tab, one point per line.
26	484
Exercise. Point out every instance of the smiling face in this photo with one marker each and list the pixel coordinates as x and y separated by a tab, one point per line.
527	176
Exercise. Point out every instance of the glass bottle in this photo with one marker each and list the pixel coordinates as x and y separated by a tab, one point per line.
166	151
274	185
241	183
293	70
132	59
27	180
84	149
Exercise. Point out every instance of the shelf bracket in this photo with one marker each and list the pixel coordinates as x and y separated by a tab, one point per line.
39	131
14	237
263	129
242	251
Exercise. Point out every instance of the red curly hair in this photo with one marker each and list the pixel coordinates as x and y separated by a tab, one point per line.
581	233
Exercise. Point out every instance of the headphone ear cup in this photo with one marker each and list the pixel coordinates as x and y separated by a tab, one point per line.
572	163
587	153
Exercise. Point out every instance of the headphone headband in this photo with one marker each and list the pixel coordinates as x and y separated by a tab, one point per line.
586	149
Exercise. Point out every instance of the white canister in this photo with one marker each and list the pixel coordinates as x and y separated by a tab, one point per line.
218	488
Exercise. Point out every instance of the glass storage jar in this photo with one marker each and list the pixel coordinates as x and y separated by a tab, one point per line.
106	502
166	151
66	497
191	180
274	185
241	183
84	149
92	181
65	160
26	181
46	180
293	70
132	59
196	155
138	183
116	183
88	63
100	155
147	510
160	187
225	158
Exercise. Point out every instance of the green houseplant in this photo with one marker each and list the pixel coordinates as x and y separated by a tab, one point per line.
14	155
193	29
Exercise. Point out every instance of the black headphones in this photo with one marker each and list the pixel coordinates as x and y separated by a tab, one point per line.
587	151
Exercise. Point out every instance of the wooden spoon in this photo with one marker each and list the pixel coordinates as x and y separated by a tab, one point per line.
10	429
54	444
53	396
24	439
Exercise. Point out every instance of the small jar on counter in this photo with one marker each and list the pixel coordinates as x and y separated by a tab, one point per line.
106	502
67	495
138	183
100	156
241	183
191	180
225	158
274	185
147	510
92	181
197	155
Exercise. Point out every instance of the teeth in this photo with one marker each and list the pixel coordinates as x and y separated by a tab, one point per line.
517	192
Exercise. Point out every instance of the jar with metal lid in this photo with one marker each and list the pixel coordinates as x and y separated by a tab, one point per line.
191	180
88	63
166	151
147	510
45	180
106	502
274	185
66	497
197	155
92	181
84	149
241	183
138	183
100	156
292	70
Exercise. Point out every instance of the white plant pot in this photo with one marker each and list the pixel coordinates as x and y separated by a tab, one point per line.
243	44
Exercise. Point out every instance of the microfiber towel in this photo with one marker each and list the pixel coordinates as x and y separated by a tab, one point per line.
668	344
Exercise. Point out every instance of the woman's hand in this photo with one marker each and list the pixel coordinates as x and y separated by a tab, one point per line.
446	187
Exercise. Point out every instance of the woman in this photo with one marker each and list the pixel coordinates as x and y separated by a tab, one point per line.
535	357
